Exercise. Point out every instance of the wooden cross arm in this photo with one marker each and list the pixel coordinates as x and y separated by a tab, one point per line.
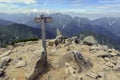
46	20
37	20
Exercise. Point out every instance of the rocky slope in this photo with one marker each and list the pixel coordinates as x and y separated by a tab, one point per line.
71	59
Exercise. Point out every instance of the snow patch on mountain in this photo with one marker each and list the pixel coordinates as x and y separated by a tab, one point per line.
110	23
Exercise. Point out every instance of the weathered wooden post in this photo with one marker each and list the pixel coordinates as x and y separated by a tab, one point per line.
38	62
42	19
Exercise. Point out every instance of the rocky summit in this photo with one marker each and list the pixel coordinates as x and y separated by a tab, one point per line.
67	59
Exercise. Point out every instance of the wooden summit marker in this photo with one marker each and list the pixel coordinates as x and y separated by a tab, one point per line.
38	63
42	19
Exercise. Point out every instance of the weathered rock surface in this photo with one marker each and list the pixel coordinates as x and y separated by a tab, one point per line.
4	61
65	62
90	40
1	72
73	40
116	68
92	75
106	55
5	54
74	57
94	48
51	42
81	61
101	76
20	63
36	65
60	62
60	39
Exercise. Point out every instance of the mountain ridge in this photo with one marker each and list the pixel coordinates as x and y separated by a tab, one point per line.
17	32
109	23
71	26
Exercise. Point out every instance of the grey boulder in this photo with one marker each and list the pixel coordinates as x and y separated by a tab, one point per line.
4	61
90	40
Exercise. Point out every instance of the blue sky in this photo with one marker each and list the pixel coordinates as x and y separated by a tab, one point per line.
86	7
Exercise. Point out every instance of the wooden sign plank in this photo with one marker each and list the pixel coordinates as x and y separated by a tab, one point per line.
48	20
37	20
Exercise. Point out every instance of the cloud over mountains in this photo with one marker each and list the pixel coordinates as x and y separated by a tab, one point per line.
97	7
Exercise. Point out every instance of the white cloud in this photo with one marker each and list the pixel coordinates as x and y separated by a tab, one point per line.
19	1
82	11
46	2
49	11
16	9
108	6
8	8
74	10
109	1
